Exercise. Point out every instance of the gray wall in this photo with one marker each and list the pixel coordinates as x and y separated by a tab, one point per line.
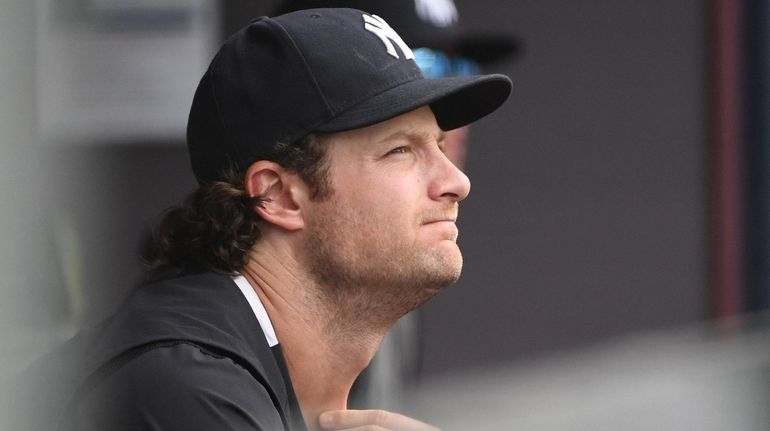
588	214
19	176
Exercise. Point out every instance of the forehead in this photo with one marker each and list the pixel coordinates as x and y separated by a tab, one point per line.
420	123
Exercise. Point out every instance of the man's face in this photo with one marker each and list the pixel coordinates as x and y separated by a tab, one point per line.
387	236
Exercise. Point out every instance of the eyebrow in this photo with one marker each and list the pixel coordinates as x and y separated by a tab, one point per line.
417	136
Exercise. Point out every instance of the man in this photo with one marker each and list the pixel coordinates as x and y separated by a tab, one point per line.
442	48
326	210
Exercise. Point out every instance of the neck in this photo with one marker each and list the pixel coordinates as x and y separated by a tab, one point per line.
324	354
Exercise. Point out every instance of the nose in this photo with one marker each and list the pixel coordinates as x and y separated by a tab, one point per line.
449	182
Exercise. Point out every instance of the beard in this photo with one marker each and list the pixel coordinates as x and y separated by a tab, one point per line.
369	271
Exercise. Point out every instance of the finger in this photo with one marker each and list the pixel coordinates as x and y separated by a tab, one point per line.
364	428
347	419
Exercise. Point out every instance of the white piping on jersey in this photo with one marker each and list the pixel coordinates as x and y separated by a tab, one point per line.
258	308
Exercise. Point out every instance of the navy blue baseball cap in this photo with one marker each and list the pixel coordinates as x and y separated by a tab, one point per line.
317	71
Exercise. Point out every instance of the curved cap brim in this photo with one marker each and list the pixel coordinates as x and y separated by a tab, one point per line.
455	101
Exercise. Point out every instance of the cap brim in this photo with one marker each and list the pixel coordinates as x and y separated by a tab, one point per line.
455	101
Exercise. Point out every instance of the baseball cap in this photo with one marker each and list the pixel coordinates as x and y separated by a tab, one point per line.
431	24
317	71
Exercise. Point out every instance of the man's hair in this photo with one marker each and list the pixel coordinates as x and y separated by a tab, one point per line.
216	225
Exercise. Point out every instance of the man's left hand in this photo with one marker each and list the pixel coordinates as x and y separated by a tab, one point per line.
382	420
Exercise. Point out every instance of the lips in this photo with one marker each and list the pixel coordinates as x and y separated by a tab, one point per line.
448	219
445	228
443	216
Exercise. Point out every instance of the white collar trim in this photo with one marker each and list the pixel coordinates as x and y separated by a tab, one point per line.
258	308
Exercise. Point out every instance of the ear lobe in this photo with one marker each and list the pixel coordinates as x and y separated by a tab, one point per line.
269	181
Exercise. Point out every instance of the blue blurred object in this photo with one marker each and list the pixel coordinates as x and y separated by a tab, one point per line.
436	64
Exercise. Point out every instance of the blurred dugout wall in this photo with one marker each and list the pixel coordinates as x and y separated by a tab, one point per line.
93	106
590	216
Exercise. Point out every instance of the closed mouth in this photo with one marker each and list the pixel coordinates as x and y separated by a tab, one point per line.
451	220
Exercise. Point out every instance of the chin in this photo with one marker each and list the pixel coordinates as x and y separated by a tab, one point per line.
453	259
446	267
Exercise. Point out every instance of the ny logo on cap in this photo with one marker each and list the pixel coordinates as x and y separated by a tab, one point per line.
387	35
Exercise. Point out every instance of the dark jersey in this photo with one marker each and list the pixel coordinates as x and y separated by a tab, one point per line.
183	354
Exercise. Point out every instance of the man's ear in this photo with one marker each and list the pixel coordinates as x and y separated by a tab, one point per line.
280	191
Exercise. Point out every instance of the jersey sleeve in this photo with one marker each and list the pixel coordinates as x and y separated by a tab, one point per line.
179	387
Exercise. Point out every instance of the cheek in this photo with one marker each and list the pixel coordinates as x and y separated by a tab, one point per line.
385	221
385	203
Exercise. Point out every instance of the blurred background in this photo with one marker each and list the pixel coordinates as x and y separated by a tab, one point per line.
619	214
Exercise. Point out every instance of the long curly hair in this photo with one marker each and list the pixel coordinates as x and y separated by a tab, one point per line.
216	225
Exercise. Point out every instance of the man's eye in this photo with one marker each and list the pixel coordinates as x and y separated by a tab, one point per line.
399	150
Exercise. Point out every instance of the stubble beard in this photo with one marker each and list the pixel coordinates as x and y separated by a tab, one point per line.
366	276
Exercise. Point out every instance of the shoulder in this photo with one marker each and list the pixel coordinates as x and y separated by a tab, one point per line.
205	283
206	309
179	386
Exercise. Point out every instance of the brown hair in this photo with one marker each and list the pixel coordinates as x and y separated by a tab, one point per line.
216	225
